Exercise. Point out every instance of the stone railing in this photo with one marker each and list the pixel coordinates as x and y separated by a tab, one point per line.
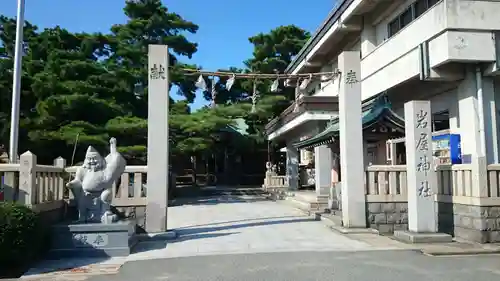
455	185
386	197
43	186
201	179
39	186
454	180
9	182
275	182
494	183
386	183
130	190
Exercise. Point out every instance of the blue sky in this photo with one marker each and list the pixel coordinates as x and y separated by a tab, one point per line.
225	25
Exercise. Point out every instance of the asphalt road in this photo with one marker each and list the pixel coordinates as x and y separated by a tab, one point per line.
303	266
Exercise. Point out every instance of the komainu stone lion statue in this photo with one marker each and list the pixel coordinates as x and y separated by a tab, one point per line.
93	182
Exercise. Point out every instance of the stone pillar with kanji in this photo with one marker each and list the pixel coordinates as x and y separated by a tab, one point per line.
158	166
351	141
421	177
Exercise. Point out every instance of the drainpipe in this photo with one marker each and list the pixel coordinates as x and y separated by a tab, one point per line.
480	111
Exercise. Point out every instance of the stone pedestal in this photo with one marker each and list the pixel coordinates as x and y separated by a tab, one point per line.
93	239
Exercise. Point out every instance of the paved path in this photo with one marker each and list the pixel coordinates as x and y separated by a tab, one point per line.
313	266
238	236
225	226
231	221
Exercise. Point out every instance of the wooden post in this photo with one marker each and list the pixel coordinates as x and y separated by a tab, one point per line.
27	179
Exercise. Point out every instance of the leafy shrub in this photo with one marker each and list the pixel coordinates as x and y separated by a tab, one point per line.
22	236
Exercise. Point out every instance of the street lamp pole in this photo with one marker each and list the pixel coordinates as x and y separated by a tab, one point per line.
16	84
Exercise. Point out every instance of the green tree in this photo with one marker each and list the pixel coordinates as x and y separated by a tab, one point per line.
87	84
273	52
95	86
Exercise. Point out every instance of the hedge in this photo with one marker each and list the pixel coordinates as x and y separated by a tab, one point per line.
22	236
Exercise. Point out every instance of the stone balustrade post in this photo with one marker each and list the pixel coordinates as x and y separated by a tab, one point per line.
61	185
27	179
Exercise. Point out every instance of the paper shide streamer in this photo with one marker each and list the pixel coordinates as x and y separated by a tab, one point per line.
297	95
200	83
302	81
304	84
255	96
275	85
213	92
230	82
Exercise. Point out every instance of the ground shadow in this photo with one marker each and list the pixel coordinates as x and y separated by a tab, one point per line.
197	230
152	245
446	218
236	221
68	263
214	201
211	195
46	262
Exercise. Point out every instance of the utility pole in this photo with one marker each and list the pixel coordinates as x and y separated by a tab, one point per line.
16	84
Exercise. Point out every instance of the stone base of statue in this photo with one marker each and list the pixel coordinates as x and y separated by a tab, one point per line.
93	239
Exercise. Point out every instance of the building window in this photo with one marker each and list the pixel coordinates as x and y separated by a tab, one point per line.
405	18
394	27
420	7
441	121
432	2
415	10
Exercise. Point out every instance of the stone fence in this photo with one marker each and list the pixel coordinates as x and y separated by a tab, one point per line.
387	197
275	185
465	211
35	185
462	211
43	187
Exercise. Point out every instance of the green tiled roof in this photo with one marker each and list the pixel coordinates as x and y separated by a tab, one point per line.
239	127
375	110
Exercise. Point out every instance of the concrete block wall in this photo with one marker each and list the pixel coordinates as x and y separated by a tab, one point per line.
479	224
387	216
474	223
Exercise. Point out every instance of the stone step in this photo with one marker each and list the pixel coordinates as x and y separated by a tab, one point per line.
307	206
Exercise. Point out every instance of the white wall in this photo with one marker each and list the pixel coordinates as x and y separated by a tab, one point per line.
329	87
397	59
381	28
461	103
442	101
473	14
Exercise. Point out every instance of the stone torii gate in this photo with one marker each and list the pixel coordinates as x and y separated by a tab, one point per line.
158	139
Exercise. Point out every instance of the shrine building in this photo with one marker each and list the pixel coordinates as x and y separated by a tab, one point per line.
389	53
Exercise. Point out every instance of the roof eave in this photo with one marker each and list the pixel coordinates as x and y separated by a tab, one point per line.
320	32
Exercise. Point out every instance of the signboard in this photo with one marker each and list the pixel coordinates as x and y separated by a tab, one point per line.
447	148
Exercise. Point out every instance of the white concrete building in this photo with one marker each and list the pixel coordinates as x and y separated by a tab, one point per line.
441	51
